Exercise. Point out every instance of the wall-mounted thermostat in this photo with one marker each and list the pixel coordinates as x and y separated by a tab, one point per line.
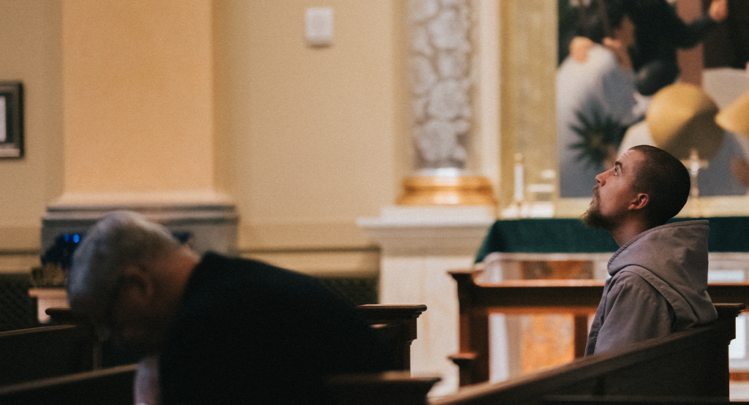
319	26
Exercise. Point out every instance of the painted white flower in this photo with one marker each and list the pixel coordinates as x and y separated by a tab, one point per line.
420	10
450	30
420	108
436	141
458	3
423	76
452	65
459	155
448	100
420	41
461	127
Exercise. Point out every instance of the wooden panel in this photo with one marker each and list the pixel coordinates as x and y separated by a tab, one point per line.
578	297
112	386
35	353
693	362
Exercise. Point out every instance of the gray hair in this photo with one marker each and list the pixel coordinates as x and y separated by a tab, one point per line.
119	240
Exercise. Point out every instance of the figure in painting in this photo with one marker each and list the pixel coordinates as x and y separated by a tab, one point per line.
597	99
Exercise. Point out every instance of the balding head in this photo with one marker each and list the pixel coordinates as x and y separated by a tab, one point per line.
119	240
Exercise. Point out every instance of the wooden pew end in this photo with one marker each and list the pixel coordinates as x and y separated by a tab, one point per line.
393	388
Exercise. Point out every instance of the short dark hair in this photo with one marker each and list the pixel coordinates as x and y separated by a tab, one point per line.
596	20
665	180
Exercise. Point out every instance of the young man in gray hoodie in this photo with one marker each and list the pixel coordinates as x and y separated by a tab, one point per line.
658	282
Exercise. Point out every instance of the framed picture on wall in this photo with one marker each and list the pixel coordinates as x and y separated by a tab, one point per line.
11	119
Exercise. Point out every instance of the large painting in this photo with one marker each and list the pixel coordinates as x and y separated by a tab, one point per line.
618	61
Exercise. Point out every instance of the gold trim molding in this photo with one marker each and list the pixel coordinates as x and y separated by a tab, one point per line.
447	190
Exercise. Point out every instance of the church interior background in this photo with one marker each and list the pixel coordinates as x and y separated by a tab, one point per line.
291	131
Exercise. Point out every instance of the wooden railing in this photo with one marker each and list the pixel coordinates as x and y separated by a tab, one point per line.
111	386
396	327
690	366
48	351
394	324
477	301
114	386
58	364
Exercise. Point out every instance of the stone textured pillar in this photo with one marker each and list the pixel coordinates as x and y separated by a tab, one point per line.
441	85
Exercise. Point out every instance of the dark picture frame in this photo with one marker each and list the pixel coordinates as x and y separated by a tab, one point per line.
11	119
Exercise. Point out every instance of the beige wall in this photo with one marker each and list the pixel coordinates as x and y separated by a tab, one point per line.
309	136
137	94
306	139
30	51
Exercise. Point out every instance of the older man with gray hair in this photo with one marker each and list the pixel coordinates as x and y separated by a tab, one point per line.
218	329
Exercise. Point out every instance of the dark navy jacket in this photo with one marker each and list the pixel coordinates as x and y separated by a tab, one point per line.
251	333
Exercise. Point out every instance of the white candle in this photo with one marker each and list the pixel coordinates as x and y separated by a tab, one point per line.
518	177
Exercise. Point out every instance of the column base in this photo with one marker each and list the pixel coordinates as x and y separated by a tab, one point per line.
447	190
419	246
211	219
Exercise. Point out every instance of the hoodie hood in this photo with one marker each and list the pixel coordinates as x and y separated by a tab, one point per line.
673	259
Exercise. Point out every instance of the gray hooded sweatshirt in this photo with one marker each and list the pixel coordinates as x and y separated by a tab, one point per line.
658	285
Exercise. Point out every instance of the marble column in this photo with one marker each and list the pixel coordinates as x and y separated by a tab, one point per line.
446	208
441	71
138	116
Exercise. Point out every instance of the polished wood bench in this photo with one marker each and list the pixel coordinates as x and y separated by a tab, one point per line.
477	301
396	325
110	386
690	364
114	386
47	351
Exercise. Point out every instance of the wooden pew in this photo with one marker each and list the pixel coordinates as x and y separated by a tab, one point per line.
396	325
111	386
114	386
47	351
690	366
687	365
477	301
391	388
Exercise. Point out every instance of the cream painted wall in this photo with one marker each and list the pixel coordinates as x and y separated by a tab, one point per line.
306	140
137	94
309	137
30	49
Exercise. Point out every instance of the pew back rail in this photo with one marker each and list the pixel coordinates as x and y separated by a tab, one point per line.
47	351
690	363
477	301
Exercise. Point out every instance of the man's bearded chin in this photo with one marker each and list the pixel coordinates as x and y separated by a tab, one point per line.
593	218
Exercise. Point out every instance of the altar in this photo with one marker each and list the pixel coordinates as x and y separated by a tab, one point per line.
563	249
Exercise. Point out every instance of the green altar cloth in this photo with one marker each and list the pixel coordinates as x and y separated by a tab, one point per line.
569	235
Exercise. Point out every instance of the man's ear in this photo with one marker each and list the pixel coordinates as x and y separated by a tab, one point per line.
639	202
138	283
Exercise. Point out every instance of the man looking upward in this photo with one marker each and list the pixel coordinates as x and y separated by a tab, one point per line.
658	282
